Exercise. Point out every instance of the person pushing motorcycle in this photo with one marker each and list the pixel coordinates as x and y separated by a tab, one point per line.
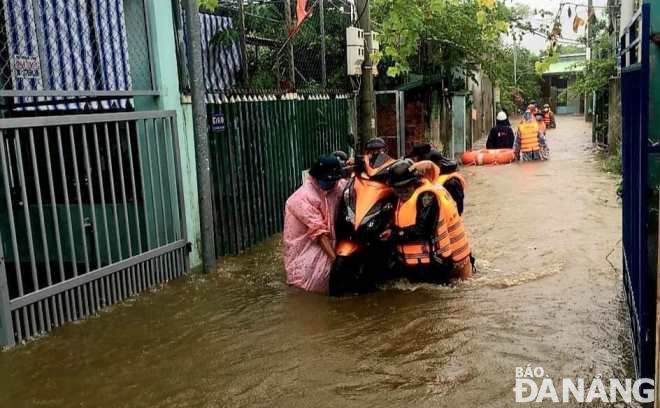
428	233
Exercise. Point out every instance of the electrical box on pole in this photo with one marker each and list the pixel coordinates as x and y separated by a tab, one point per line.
354	50
375	47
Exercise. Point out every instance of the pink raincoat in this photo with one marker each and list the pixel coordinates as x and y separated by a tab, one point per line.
310	212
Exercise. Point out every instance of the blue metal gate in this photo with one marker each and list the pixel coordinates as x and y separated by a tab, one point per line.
638	280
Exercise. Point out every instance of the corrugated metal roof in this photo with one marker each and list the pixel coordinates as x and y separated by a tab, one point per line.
420	81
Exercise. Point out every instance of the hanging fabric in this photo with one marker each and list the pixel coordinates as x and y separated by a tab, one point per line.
301	14
577	22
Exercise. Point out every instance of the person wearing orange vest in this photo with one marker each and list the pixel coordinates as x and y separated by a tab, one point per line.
449	177
540	121
428	232
549	117
530	142
545	152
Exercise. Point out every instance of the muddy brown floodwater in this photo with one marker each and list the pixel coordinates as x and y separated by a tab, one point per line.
545	295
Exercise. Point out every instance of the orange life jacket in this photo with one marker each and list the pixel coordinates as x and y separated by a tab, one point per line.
443	242
529	136
446	177
458	242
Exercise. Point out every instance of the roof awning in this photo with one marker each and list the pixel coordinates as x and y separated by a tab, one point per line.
566	66
423	81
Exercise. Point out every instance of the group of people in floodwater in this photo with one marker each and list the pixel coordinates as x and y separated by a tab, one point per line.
530	143
356	222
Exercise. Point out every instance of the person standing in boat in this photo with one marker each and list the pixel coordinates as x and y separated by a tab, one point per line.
501	135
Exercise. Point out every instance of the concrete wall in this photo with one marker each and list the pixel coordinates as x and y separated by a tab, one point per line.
614	116
167	81
482	98
460	119
627	11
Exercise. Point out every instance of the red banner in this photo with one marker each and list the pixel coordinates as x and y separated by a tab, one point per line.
301	14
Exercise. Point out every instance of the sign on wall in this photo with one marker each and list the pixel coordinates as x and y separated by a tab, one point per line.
27	67
217	122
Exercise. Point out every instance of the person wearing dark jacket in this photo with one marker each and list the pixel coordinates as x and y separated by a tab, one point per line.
501	136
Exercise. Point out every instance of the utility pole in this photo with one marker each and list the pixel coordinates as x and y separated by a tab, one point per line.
590	7
366	120
292	65
198	93
590	99
515	72
324	75
515	64
244	62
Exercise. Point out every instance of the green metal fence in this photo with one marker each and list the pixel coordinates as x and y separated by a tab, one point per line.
260	145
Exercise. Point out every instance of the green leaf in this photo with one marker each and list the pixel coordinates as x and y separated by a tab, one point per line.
488	3
209	5
390	51
393	72
481	17
502	26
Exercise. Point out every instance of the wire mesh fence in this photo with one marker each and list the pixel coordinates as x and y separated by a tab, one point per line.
72	48
270	54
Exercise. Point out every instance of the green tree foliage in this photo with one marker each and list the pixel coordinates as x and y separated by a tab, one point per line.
440	36
267	64
208	4
454	38
517	94
597	71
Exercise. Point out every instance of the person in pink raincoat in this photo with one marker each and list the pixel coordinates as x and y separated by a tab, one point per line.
309	226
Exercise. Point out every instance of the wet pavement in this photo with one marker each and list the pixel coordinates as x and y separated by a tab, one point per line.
548	293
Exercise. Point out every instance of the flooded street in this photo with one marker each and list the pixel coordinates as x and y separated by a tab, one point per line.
548	293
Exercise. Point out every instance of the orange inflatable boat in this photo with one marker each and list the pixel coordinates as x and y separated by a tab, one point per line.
488	156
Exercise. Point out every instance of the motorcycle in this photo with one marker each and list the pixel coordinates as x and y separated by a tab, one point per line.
365	212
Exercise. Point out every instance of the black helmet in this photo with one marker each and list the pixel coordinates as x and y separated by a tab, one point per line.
448	165
342	156
326	168
402	173
375	143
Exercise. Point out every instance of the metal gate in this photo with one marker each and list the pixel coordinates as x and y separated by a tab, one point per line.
259	147
638	280
91	213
